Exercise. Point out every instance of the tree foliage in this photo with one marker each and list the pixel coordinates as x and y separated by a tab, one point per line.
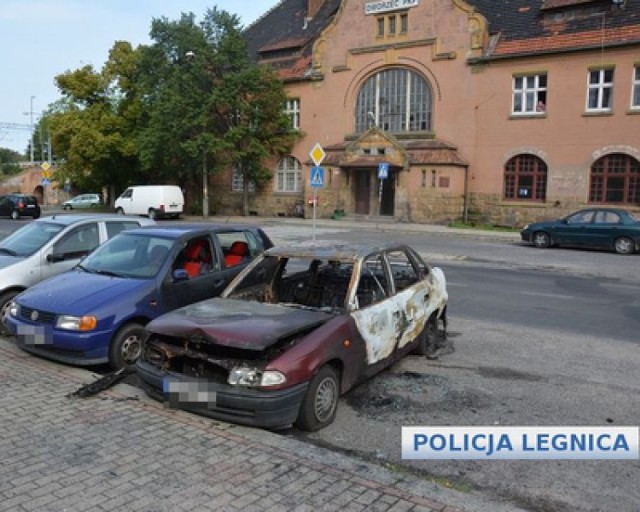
159	112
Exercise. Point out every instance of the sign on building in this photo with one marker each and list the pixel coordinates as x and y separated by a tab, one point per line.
388	5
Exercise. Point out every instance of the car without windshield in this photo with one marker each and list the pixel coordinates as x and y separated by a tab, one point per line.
599	228
96	312
51	245
297	328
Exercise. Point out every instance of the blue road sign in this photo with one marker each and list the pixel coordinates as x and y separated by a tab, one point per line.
383	171
46	181
317	177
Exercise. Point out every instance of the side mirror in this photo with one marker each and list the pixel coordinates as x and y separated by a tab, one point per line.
180	274
55	257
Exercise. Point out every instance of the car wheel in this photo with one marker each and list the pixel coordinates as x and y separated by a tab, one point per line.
624	245
67	207
119	211
153	214
428	337
15	214
36	215
541	240
126	346
320	402
5	301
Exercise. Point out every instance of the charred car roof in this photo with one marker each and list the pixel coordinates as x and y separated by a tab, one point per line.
330	250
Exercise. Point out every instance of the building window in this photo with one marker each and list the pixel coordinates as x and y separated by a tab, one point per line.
289	175
615	178
529	94
525	177
236	181
404	23
635	93
600	90
396	100
292	109
392	24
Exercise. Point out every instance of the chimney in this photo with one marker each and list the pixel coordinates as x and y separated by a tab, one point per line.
313	6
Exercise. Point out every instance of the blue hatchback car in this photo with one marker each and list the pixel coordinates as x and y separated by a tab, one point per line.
96	312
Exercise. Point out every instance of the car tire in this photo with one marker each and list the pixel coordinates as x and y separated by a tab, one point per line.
67	207
541	240
428	337
37	215
153	214
5	300
15	214
119	211
126	346
320	403
624	245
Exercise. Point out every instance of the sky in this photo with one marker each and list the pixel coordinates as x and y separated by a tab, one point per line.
40	39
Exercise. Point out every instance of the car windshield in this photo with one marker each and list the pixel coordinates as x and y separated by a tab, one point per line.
296	281
129	255
29	238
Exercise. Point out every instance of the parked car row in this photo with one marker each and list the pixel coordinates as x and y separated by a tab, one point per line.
216	320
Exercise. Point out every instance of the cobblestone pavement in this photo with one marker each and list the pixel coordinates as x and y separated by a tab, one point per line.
122	451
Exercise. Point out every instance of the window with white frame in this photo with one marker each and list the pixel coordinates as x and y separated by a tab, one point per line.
635	93
529	95
289	175
292	109
600	90
237	181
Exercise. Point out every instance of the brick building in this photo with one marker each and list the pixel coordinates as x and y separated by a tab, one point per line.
502	111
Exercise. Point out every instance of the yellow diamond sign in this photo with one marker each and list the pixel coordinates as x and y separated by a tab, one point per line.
317	154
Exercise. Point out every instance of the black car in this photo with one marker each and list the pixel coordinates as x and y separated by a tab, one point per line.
601	228
19	205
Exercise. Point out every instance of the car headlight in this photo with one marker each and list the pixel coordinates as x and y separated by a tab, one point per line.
525	227
14	309
254	377
77	323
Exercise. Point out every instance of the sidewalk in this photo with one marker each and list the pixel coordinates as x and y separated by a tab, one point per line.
121	451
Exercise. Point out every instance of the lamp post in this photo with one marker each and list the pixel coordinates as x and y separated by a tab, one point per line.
31	127
191	57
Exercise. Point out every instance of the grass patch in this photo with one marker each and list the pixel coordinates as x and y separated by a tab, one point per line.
483	227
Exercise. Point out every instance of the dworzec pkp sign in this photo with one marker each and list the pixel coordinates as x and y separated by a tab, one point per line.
388	5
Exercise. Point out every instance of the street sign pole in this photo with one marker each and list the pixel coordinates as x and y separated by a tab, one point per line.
383	174
317	155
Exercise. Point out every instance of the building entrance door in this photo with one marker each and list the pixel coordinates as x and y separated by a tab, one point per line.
362	190
387	206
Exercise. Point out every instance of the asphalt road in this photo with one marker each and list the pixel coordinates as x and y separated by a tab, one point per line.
541	338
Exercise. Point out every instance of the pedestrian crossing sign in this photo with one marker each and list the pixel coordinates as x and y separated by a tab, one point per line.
317	177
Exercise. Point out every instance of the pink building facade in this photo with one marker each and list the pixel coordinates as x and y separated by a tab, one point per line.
492	111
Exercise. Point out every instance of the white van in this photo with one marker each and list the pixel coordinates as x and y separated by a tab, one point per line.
153	200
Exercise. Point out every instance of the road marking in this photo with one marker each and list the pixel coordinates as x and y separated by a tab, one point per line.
550	295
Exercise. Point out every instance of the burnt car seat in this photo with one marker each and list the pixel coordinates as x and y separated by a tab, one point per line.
198	259
238	253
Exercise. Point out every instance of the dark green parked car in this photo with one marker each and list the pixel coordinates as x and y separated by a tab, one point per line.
602	228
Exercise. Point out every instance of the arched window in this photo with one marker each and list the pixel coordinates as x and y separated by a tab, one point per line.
289	175
525	177
397	100
615	178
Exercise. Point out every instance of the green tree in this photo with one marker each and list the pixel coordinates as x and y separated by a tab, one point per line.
210	106
93	128
9	161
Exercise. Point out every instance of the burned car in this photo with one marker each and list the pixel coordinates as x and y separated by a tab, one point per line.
297	328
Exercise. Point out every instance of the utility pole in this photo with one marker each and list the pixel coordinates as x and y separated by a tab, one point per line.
31	124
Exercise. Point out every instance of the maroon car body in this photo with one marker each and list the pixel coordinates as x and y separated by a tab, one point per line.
297	328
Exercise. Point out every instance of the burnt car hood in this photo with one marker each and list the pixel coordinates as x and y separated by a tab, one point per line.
237	323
